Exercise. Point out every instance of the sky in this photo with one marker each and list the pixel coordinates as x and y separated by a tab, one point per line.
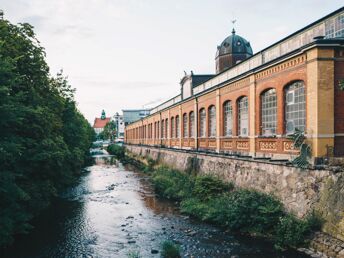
123	54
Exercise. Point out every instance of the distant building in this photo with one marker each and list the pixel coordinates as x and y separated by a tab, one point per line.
100	123
118	119
132	115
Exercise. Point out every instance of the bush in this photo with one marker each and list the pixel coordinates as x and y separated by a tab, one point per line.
172	184
207	187
117	151
291	231
170	250
247	211
240	210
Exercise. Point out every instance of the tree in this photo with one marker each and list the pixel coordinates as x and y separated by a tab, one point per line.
44	139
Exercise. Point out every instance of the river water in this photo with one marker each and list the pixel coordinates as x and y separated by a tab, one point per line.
113	212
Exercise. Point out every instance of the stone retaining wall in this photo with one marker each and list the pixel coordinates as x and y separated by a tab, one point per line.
301	191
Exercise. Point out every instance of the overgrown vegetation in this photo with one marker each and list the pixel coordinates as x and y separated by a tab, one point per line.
210	199
44	139
116	150
246	211
170	250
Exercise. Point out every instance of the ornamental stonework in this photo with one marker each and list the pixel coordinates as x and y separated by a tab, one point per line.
268	145
242	145
289	146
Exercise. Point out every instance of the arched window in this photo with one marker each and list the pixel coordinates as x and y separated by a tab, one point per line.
243	116
162	129
172	127
158	128
192	124
295	107
185	126
177	127
212	121
166	128
228	119
269	112
202	122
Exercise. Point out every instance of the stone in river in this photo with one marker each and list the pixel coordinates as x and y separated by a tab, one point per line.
154	251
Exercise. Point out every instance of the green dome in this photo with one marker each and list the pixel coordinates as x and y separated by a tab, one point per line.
234	44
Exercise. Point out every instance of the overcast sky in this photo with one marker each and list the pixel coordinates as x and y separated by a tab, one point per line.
122	54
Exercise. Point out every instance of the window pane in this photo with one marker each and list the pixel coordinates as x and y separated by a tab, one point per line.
243	117
269	112
202	122
177	127
228	118
192	124
172	127
212	121
185	126
295	107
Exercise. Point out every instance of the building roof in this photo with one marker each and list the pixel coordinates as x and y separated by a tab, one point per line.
198	79
101	123
234	44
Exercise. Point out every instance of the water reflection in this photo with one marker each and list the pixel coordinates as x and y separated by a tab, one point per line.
113	211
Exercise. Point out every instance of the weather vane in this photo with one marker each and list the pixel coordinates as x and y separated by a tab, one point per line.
233	22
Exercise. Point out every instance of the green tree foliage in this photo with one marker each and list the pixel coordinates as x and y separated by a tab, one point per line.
109	131
44	139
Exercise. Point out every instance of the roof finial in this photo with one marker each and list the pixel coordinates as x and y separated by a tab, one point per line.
233	30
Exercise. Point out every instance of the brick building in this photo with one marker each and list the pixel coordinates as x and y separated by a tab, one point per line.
254	101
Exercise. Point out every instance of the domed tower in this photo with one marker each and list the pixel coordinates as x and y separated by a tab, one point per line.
232	50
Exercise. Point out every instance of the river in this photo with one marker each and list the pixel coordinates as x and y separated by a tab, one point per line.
113	212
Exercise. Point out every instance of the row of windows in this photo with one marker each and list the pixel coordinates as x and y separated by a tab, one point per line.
295	116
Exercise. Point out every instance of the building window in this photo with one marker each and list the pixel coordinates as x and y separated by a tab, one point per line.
177	127
228	118
202	122
212	121
269	112
172	127
192	124
185	125
243	116
158	128
295	107
162	129
166	128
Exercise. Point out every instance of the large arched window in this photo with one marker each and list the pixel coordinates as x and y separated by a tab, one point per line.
243	116
185	126
228	119
269	112
295	107
202	122
177	127
172	127
192	124
212	121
